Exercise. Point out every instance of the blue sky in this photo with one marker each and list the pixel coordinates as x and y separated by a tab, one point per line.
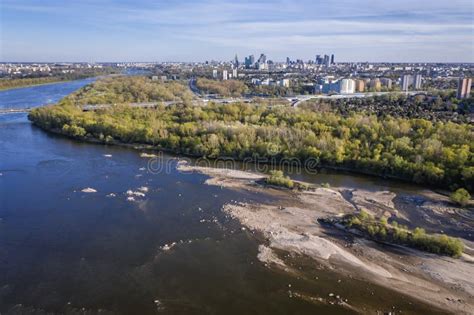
198	30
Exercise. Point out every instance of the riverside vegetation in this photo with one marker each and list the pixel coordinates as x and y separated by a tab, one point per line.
381	230
417	150
11	83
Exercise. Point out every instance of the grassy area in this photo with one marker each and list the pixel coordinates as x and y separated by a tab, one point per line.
393	233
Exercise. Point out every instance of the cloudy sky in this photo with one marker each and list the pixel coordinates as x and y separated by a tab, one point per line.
198	30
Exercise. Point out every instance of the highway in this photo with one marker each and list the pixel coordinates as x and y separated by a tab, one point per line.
294	100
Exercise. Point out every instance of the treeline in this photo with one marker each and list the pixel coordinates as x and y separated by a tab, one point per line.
381	230
225	88
129	89
10	83
434	107
236	88
418	150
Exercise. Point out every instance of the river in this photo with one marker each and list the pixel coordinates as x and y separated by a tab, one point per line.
66	251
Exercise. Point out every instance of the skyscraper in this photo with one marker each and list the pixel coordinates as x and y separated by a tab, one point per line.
464	88
236	61
407	80
332	59
418	81
326	60
249	61
319	60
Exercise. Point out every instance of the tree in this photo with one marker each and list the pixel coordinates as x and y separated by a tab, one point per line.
461	197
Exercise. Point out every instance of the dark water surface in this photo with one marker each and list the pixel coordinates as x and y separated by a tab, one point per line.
65	251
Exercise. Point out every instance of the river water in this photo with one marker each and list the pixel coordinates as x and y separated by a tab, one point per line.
66	251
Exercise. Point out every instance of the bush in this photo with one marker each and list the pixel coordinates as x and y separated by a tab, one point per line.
418	238
278	179
460	197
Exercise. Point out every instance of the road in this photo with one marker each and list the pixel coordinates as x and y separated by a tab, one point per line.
295	101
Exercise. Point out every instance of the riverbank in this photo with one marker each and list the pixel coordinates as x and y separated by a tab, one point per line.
36	84
290	224
12	84
413	150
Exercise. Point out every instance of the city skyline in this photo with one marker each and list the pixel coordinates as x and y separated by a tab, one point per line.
98	31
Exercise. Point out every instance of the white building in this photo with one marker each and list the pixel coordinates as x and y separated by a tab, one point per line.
347	86
214	74
407	80
418	81
234	73
224	75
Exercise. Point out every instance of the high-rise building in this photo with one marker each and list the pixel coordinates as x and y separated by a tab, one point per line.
224	75
464	88
214	74
387	82
236	61
319	60
326	60
346	86
252	59
360	86
288	60
249	61
417	82
332	59
234	73
375	84
262	59
407	80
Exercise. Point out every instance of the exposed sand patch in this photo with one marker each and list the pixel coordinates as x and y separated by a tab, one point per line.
228	178
268	256
290	224
89	190
378	203
147	155
294	230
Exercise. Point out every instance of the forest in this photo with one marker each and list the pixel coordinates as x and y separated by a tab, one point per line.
438	106
225	88
417	150
129	89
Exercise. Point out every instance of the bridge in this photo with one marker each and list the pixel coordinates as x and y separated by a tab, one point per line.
14	110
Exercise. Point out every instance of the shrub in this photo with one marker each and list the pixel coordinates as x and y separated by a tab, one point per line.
460	197
278	179
418	238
